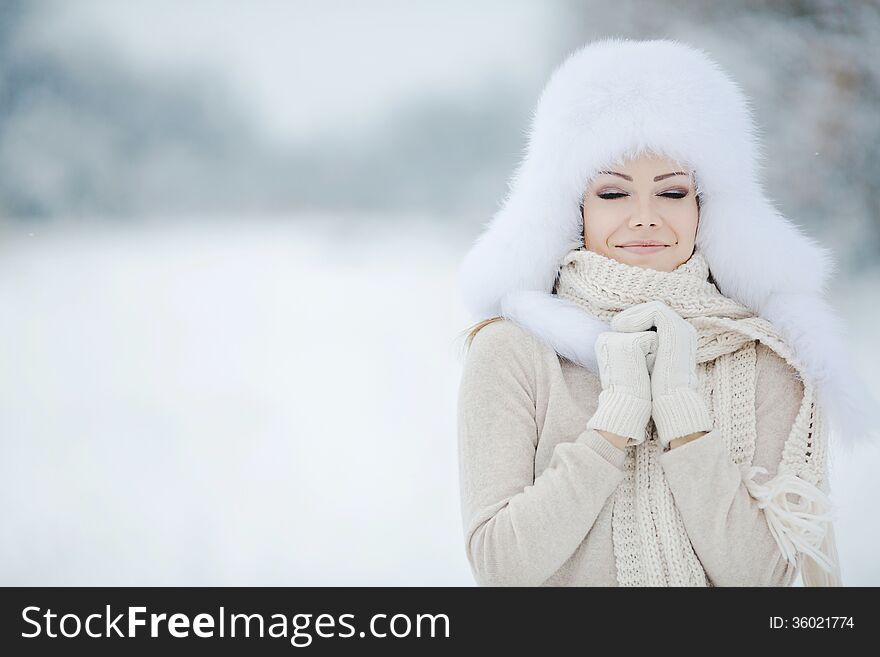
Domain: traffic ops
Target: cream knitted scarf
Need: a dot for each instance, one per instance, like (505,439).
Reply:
(651,545)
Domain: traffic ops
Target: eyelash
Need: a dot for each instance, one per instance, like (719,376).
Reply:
(614,195)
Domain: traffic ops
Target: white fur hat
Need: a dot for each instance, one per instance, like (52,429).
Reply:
(613,99)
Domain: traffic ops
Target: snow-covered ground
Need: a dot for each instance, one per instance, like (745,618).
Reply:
(258,402)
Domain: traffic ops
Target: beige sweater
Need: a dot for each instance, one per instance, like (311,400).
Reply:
(536,485)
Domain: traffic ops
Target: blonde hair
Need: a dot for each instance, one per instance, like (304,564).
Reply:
(472,331)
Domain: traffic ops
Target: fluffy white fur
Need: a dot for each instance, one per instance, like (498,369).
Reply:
(587,120)
(558,322)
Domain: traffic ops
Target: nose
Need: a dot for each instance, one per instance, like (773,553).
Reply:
(645,213)
(645,218)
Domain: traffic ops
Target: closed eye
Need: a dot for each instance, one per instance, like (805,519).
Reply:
(613,195)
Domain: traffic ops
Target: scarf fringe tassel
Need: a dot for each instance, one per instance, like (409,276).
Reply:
(797,526)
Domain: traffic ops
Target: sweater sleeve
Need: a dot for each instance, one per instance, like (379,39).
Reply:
(728,531)
(520,529)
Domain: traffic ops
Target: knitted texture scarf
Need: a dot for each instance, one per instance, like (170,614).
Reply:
(651,546)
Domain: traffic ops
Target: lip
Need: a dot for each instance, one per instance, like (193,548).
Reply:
(642,248)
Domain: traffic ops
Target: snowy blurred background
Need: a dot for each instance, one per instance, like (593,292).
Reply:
(229,231)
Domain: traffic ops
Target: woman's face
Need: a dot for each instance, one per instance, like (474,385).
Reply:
(645,199)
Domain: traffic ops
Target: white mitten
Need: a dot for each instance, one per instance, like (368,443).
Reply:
(625,401)
(678,406)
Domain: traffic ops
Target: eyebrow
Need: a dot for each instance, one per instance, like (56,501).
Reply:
(656,178)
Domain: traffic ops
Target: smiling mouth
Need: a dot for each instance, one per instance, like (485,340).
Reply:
(640,246)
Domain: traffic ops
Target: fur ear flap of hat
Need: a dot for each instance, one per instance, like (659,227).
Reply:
(614,99)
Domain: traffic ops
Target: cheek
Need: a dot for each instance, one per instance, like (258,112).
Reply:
(598,234)
(684,221)
(601,222)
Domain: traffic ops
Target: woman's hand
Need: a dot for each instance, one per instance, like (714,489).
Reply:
(625,401)
(678,407)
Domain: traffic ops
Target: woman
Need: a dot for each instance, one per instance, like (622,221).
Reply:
(641,415)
